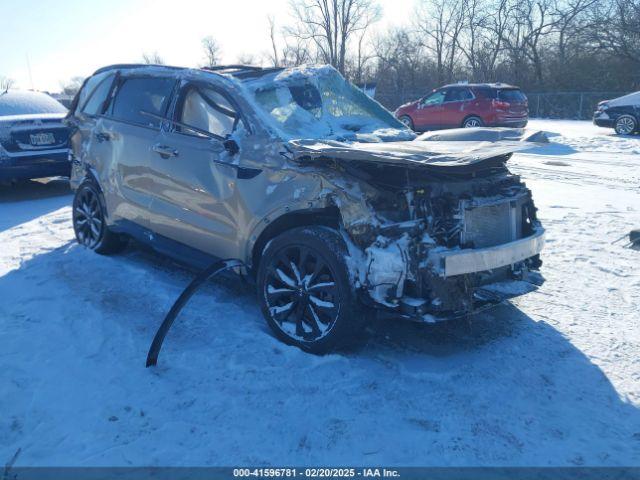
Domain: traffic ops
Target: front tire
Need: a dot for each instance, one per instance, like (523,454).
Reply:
(305,290)
(626,125)
(407,121)
(89,221)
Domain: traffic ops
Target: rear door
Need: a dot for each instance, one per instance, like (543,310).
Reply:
(194,174)
(128,130)
(456,106)
(429,111)
(86,143)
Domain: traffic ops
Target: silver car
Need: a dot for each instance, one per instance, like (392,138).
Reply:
(335,208)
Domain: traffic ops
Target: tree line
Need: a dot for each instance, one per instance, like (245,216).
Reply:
(539,45)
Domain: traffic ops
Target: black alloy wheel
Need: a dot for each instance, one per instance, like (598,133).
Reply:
(306,292)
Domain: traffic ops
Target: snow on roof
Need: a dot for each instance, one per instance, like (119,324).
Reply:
(23,102)
(489,85)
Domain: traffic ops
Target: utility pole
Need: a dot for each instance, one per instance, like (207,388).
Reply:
(29,68)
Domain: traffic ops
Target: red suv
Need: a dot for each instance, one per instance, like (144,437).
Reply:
(467,105)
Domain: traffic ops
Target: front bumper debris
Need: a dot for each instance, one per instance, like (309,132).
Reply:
(449,263)
(482,298)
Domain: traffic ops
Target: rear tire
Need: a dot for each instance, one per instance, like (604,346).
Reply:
(305,290)
(626,125)
(89,221)
(407,121)
(472,122)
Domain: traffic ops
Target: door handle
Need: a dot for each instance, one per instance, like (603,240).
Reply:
(164,151)
(102,136)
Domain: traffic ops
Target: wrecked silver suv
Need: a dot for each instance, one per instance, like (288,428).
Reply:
(332,205)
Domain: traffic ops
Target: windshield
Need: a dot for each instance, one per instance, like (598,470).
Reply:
(18,102)
(312,103)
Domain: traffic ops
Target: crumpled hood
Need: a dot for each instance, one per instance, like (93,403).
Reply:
(445,151)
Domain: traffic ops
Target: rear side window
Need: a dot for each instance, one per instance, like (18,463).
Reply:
(511,96)
(458,95)
(88,87)
(207,110)
(94,102)
(136,95)
(489,93)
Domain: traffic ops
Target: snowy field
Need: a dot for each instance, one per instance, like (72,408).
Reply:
(553,379)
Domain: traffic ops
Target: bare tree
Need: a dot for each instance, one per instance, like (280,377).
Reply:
(6,83)
(212,51)
(497,22)
(404,69)
(330,25)
(72,86)
(275,58)
(152,58)
(618,28)
(440,23)
(363,56)
(295,53)
(247,59)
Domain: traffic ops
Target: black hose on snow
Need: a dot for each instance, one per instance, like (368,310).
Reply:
(203,276)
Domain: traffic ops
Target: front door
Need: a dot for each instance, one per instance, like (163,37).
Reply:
(456,106)
(194,174)
(429,111)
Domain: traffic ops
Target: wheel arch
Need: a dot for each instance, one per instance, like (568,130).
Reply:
(327,216)
(409,116)
(92,175)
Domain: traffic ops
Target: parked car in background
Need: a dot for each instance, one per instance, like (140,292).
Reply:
(34,143)
(621,114)
(467,105)
(330,202)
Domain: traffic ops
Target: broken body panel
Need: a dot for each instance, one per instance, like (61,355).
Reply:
(435,229)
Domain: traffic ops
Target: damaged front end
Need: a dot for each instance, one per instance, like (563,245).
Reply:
(443,234)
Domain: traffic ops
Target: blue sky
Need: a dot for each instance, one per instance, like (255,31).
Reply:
(65,38)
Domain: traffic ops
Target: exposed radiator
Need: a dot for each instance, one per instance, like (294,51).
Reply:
(495,223)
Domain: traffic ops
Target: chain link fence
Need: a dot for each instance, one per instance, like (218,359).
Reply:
(561,105)
(568,105)
(392,100)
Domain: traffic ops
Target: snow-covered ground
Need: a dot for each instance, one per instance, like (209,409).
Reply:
(552,380)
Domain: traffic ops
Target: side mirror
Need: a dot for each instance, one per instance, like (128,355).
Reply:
(231,146)
(216,146)
(228,145)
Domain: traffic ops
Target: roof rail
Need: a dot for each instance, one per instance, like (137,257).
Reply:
(133,65)
(242,72)
(216,68)
(238,71)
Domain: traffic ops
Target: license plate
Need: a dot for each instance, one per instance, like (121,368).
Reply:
(39,139)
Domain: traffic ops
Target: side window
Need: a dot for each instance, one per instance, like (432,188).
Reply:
(208,111)
(489,93)
(458,95)
(94,101)
(436,98)
(137,97)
